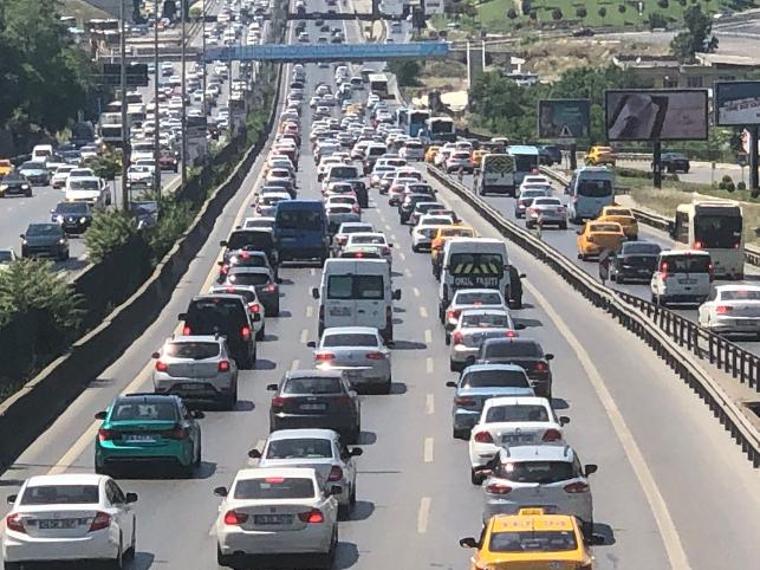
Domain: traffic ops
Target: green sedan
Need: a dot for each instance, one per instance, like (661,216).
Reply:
(148,429)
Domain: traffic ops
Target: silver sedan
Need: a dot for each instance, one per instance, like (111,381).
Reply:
(473,328)
(357,351)
(549,211)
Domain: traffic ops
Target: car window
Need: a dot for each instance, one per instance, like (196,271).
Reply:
(372,240)
(533,541)
(517,413)
(740,295)
(245,278)
(43,230)
(538,471)
(316,385)
(114,494)
(299,219)
(486,321)
(301,448)
(604,228)
(641,248)
(687,263)
(144,411)
(275,488)
(349,339)
(511,348)
(60,495)
(261,240)
(495,379)
(479,298)
(367,287)
(216,311)
(194,350)
(595,188)
(476,264)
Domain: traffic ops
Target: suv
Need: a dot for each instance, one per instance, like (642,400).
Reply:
(550,476)
(600,155)
(225,315)
(682,276)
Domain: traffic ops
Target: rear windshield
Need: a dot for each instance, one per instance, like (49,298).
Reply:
(484,298)
(302,448)
(486,321)
(595,188)
(747,295)
(511,348)
(246,294)
(495,379)
(533,541)
(613,228)
(299,219)
(145,411)
(249,278)
(618,212)
(355,287)
(355,339)
(252,239)
(344,172)
(275,488)
(215,311)
(539,471)
(641,248)
(84,184)
(476,264)
(371,240)
(313,386)
(718,231)
(244,259)
(195,350)
(687,263)
(517,413)
(546,202)
(60,495)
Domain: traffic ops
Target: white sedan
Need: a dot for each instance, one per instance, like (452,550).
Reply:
(273,511)
(69,517)
(512,420)
(732,309)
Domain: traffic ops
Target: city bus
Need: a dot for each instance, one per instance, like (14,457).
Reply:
(441,129)
(378,84)
(715,227)
(413,121)
(109,128)
(526,161)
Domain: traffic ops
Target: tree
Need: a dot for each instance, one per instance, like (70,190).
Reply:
(602,12)
(407,72)
(697,37)
(109,231)
(622,8)
(556,14)
(664,4)
(511,13)
(581,12)
(657,20)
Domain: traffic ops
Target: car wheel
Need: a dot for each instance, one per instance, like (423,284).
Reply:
(448,339)
(588,531)
(353,435)
(223,559)
(415,249)
(229,402)
(618,279)
(459,433)
(118,562)
(12,565)
(563,226)
(276,308)
(386,387)
(262,333)
(29,194)
(199,454)
(132,550)
(476,478)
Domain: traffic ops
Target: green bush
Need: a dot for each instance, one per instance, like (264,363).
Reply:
(602,12)
(664,4)
(622,8)
(109,231)
(727,183)
(657,20)
(511,13)
(556,14)
(741,186)
(173,220)
(581,12)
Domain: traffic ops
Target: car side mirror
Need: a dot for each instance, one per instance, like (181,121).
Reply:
(220,263)
(100,415)
(390,245)
(272,387)
(311,344)
(397,295)
(155,355)
(356,452)
(315,293)
(254,454)
(564,420)
(10,499)
(334,491)
(451,384)
(519,326)
(468,542)
(590,468)
(549,356)
(223,243)
(522,276)
(220,491)
(182,316)
(579,232)
(131,498)
(197,414)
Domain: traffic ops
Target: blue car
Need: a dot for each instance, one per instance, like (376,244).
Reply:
(301,230)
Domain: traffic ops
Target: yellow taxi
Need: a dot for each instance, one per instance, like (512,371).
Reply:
(477,156)
(431,152)
(624,217)
(600,155)
(596,236)
(6,167)
(439,241)
(530,540)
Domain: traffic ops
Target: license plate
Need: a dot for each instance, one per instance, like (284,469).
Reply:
(340,311)
(140,438)
(191,386)
(687,281)
(514,438)
(313,407)
(273,519)
(47,524)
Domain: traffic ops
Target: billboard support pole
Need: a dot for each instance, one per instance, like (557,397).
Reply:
(573,155)
(753,158)
(657,163)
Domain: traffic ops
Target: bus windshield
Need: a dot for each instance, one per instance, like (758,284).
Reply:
(525,162)
(716,231)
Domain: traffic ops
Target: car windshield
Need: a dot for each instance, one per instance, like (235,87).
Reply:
(595,188)
(517,413)
(740,295)
(299,219)
(476,264)
(533,541)
(355,287)
(349,339)
(6,256)
(315,385)
(84,184)
(495,379)
(715,231)
(139,410)
(479,298)
(512,348)
(301,448)
(60,495)
(538,471)
(246,278)
(43,230)
(194,350)
(72,208)
(486,321)
(687,263)
(275,488)
(635,248)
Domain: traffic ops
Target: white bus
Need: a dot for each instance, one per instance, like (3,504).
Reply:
(715,227)
(109,128)
(441,129)
(378,84)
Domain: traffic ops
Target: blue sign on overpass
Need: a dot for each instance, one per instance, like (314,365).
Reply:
(287,53)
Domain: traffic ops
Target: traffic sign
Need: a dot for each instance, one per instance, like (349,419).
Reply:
(137,74)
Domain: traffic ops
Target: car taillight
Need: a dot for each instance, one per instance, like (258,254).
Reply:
(245,332)
(324,356)
(176,433)
(271,288)
(102,520)
(464,401)
(723,309)
(498,489)
(664,269)
(355,208)
(457,338)
(161,366)
(552,435)
(234,518)
(14,522)
(541,367)
(336,474)
(452,314)
(577,487)
(697,245)
(106,434)
(224,366)
(374,356)
(483,437)
(254,308)
(510,334)
(278,402)
(314,516)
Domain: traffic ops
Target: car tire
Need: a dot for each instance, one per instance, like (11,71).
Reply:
(459,433)
(132,550)
(224,560)
(448,339)
(354,435)
(588,531)
(387,387)
(29,194)
(262,332)
(619,280)
(415,249)
(563,226)
(476,478)
(229,402)
(118,562)
(327,561)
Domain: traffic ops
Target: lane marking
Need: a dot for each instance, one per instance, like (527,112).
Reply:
(416,291)
(402,256)
(428,336)
(295,364)
(309,311)
(304,336)
(668,532)
(423,515)
(423,312)
(312,271)
(408,272)
(394,239)
(430,404)
(427,454)
(429,365)
(388,227)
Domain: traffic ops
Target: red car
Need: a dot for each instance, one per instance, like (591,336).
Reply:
(167,161)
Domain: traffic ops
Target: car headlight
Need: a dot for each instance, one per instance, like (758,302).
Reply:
(3,187)
(82,220)
(23,241)
(61,241)
(59,218)
(25,186)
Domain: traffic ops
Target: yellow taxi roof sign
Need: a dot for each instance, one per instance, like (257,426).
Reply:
(531,511)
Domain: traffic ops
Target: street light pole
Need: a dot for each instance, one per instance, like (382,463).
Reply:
(156,74)
(124,124)
(183,5)
(203,59)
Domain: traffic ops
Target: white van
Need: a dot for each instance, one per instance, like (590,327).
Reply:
(356,293)
(41,151)
(472,263)
(682,276)
(88,189)
(340,173)
(591,188)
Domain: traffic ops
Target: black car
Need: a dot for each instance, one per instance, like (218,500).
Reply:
(675,162)
(316,399)
(636,261)
(15,183)
(523,352)
(45,240)
(226,315)
(360,189)
(549,154)
(583,32)
(257,239)
(74,217)
(406,207)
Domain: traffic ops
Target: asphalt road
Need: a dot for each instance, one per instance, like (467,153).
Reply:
(672,490)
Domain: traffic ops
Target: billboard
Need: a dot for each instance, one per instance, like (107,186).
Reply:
(564,118)
(737,103)
(656,114)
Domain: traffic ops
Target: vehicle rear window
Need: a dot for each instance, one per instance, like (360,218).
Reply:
(495,379)
(595,188)
(246,294)
(618,212)
(144,410)
(275,488)
(533,541)
(546,202)
(486,321)
(315,385)
(688,263)
(371,240)
(517,413)
(243,278)
(252,239)
(512,348)
(746,295)
(60,495)
(84,184)
(349,339)
(476,264)
(613,228)
(484,298)
(215,309)
(299,219)
(245,259)
(195,350)
(343,172)
(641,248)
(368,287)
(538,471)
(301,448)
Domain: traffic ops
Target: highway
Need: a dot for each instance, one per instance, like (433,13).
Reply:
(672,490)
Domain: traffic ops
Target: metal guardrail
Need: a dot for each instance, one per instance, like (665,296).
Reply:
(667,333)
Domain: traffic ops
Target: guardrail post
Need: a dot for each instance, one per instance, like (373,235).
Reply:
(742,361)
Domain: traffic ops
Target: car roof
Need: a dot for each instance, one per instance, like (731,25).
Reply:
(515,401)
(493,366)
(303,432)
(538,453)
(349,330)
(66,479)
(263,472)
(536,523)
(195,338)
(309,373)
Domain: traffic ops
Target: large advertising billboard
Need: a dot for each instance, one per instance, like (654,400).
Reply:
(656,114)
(564,118)
(737,103)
